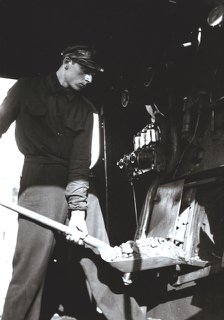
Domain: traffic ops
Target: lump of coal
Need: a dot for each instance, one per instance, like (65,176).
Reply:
(145,248)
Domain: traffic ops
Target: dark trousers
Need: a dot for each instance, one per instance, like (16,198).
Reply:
(42,190)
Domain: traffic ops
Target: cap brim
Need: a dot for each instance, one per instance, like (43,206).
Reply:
(90,64)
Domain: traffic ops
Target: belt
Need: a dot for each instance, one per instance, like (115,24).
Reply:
(45,160)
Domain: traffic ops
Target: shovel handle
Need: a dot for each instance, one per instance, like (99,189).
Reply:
(92,241)
(35,216)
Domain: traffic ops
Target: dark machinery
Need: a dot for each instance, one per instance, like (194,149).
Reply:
(185,200)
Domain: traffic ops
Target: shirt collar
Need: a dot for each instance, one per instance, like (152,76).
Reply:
(56,87)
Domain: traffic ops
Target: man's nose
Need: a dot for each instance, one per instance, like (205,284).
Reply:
(88,78)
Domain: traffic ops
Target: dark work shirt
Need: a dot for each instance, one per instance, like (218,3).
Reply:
(52,122)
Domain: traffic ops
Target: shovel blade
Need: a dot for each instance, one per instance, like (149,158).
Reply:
(133,265)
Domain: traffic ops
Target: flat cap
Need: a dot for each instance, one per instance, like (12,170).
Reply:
(84,55)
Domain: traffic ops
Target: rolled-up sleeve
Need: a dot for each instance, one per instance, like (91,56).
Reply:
(76,194)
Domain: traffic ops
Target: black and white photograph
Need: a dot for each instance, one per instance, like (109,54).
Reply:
(112,160)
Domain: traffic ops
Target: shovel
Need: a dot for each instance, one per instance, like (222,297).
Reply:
(104,249)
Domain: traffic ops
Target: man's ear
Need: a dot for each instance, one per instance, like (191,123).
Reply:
(67,61)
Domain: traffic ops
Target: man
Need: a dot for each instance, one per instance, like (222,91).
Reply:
(54,124)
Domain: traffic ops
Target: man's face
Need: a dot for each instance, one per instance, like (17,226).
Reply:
(77,77)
